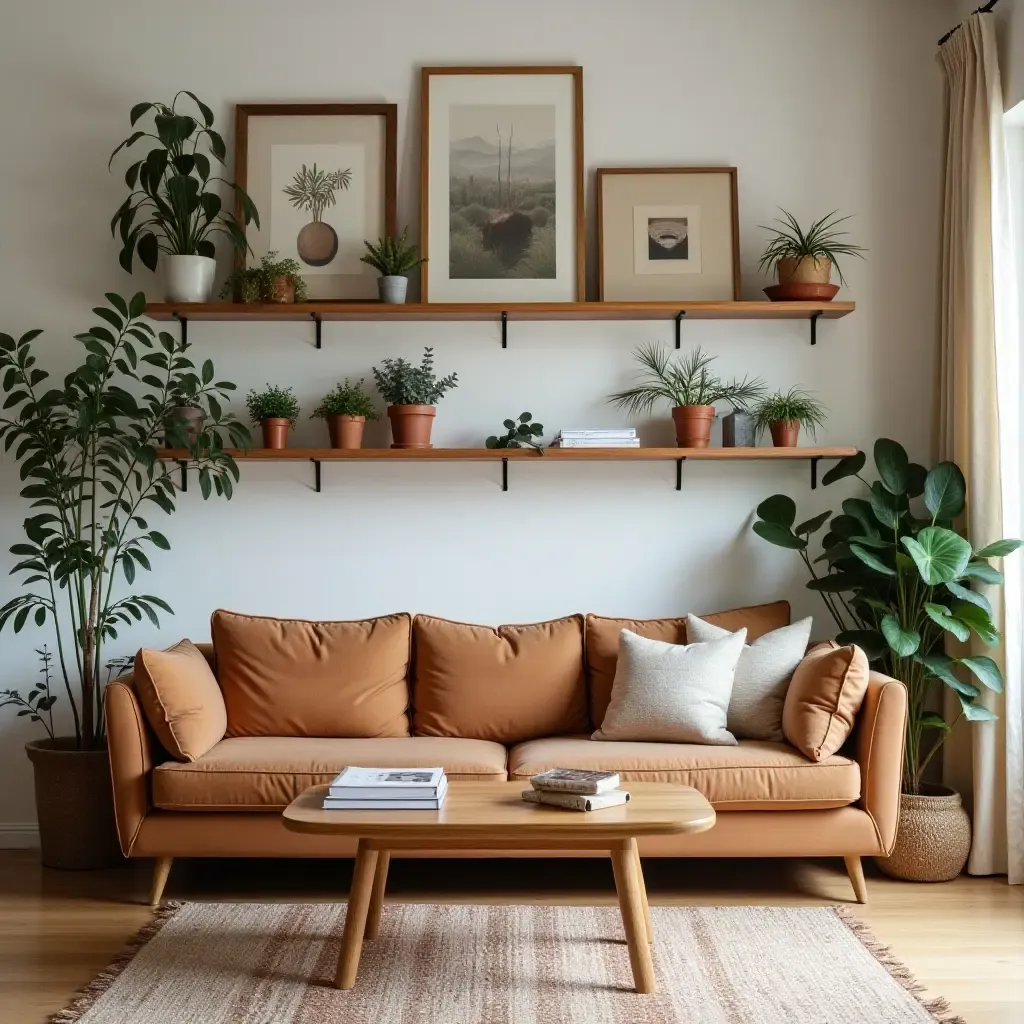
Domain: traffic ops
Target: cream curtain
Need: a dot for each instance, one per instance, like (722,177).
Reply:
(979,419)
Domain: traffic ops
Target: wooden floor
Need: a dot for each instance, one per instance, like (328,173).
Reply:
(963,939)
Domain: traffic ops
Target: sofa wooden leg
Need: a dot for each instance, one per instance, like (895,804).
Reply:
(855,870)
(161,871)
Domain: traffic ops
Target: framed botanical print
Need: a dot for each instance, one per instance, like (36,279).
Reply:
(502,184)
(323,177)
(666,233)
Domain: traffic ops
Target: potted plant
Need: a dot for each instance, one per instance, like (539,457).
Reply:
(393,257)
(275,409)
(184,422)
(274,280)
(900,581)
(412,393)
(313,190)
(173,206)
(346,410)
(688,384)
(86,539)
(783,413)
(521,434)
(803,260)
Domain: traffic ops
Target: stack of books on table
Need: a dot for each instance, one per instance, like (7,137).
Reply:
(576,789)
(387,789)
(613,437)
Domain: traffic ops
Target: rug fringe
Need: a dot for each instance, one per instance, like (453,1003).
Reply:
(86,998)
(938,1007)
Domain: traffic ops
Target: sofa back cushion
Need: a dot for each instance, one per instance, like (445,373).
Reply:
(603,641)
(292,677)
(508,684)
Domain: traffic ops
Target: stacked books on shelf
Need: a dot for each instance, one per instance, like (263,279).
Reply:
(613,437)
(576,789)
(387,789)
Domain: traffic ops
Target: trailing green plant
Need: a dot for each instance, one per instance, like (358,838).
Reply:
(899,580)
(313,189)
(684,380)
(172,206)
(256,284)
(821,241)
(393,256)
(792,406)
(346,399)
(89,455)
(401,383)
(520,434)
(273,403)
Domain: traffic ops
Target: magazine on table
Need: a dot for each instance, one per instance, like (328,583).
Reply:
(388,783)
(576,801)
(576,780)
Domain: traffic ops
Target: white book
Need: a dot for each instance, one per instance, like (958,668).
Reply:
(609,432)
(345,804)
(575,780)
(389,793)
(389,783)
(581,442)
(577,801)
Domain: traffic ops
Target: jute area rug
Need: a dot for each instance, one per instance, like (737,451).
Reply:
(230,963)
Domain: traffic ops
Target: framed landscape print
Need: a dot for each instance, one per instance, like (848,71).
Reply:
(667,233)
(502,184)
(323,177)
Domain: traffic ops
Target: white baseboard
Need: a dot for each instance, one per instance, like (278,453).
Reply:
(19,835)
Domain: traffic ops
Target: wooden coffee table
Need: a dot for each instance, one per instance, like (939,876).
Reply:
(493,816)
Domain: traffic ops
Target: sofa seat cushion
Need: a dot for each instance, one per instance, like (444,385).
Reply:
(265,773)
(754,775)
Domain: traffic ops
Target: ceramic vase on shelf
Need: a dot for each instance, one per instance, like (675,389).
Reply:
(392,289)
(693,425)
(411,425)
(188,278)
(933,839)
(785,433)
(738,430)
(275,432)
(346,431)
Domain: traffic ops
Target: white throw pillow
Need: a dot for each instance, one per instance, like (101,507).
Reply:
(762,676)
(672,693)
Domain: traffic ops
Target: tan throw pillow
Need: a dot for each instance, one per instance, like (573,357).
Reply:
(509,684)
(293,677)
(825,694)
(182,701)
(672,693)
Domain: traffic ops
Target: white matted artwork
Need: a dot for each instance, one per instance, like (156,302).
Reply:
(323,178)
(666,239)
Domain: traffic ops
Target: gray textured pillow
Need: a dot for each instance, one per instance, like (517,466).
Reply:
(672,693)
(762,676)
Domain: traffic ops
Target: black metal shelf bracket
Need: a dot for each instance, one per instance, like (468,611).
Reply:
(814,327)
(504,474)
(316,474)
(814,472)
(183,320)
(183,466)
(679,473)
(504,328)
(318,320)
(679,327)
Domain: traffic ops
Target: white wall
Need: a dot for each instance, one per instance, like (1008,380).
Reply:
(821,104)
(1010,27)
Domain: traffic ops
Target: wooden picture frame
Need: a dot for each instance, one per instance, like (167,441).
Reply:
(658,193)
(369,130)
(569,282)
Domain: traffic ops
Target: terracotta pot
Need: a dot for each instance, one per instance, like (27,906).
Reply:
(75,805)
(193,423)
(693,425)
(346,431)
(804,271)
(785,433)
(933,839)
(410,425)
(275,432)
(282,289)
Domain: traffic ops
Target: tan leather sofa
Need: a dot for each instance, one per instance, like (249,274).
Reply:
(771,800)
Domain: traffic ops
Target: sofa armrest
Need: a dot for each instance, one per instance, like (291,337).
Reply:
(132,749)
(881,729)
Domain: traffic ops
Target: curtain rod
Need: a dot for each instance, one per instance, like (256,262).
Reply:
(984,9)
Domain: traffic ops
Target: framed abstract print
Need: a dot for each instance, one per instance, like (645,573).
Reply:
(502,184)
(667,233)
(323,177)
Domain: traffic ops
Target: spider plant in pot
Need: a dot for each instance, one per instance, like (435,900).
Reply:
(172,207)
(783,413)
(346,410)
(275,409)
(412,393)
(688,384)
(803,259)
(394,258)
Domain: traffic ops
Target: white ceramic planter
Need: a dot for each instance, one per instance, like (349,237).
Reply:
(188,278)
(392,289)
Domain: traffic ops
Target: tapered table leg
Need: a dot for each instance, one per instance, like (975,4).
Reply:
(629,885)
(643,893)
(380,881)
(355,918)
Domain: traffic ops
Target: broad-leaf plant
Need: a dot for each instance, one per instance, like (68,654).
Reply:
(88,449)
(900,580)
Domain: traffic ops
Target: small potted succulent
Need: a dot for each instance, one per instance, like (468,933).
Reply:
(275,409)
(689,385)
(803,260)
(274,280)
(346,410)
(394,258)
(521,434)
(784,413)
(412,393)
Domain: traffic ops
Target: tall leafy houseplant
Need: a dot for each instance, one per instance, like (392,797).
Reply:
(899,579)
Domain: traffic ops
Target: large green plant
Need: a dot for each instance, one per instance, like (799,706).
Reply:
(898,579)
(170,207)
(89,455)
